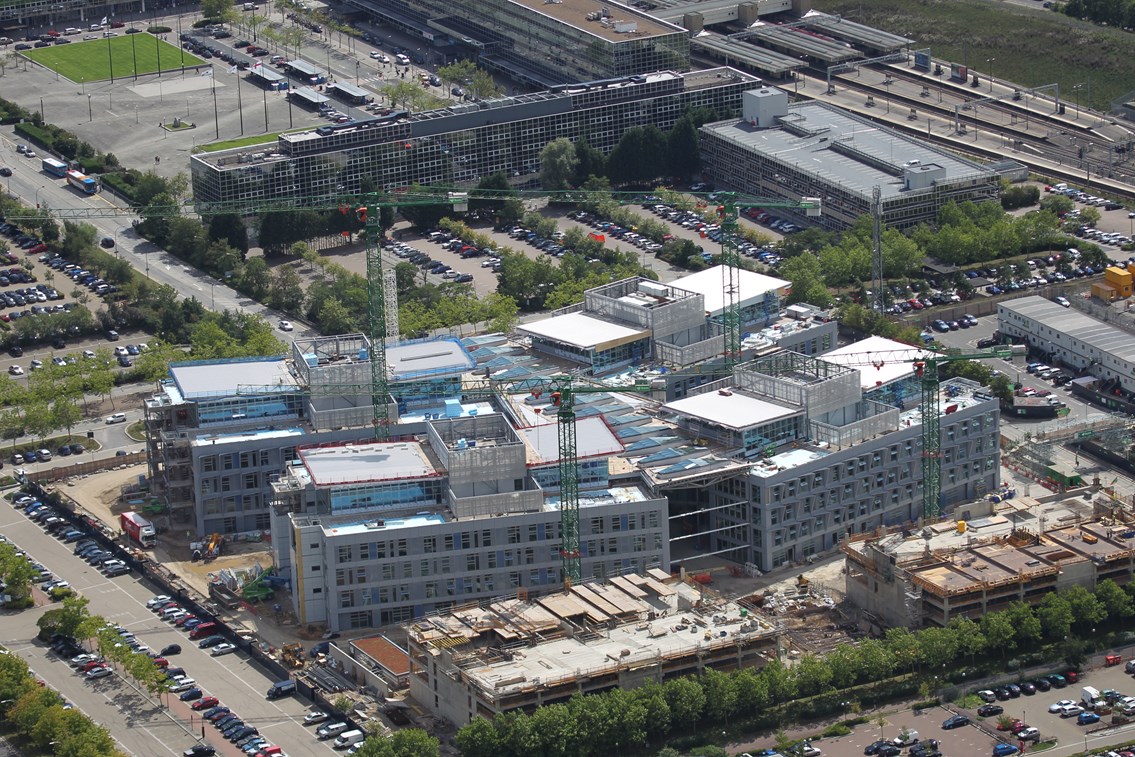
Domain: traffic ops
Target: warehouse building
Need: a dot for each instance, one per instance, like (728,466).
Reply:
(813,149)
(992,559)
(1071,338)
(546,43)
(523,652)
(459,144)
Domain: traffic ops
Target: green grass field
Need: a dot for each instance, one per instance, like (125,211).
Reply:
(91,61)
(1031,46)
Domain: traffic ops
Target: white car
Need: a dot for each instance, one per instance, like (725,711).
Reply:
(116,418)
(223,649)
(95,673)
(315,716)
(182,684)
(1071,711)
(15,370)
(82,659)
(285,326)
(1059,706)
(158,601)
(176,615)
(1063,302)
(89,354)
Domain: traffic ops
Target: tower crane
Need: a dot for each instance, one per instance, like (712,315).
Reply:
(926,368)
(562,389)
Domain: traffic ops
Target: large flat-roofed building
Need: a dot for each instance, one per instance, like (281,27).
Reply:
(1071,338)
(824,460)
(522,652)
(459,144)
(378,533)
(638,320)
(549,42)
(218,430)
(814,149)
(998,556)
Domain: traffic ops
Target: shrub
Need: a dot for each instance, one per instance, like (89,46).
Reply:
(835,730)
(159,30)
(207,22)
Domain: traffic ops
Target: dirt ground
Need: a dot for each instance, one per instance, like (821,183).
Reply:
(100,496)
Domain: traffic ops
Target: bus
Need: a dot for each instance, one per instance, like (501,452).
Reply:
(55,167)
(82,182)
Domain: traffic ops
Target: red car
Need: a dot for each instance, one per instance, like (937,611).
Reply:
(161,662)
(181,621)
(41,247)
(92,665)
(1014,726)
(204,704)
(116,24)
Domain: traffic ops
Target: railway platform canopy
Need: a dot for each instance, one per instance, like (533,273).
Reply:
(798,42)
(866,38)
(736,51)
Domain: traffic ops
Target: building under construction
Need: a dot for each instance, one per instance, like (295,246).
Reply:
(972,567)
(520,653)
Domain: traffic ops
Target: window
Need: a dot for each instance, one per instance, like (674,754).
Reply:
(346,553)
(209,464)
(429,544)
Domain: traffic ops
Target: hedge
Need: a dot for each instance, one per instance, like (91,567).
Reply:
(11,113)
(159,30)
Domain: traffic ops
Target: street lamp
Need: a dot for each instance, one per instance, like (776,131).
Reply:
(37,195)
(990,61)
(1076,91)
(90,113)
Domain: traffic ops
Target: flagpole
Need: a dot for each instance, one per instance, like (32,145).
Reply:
(216,115)
(239,103)
(265,91)
(110,60)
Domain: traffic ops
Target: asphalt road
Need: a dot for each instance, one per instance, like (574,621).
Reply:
(141,726)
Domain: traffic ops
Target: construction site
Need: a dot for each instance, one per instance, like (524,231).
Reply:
(1014,548)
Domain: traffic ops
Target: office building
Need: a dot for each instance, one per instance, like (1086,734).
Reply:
(545,43)
(981,563)
(629,631)
(218,430)
(639,321)
(379,533)
(459,144)
(824,461)
(814,149)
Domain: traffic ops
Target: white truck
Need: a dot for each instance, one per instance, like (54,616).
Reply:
(349,738)
(1091,697)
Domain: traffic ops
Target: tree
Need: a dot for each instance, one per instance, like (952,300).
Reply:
(1085,607)
(1115,600)
(230,229)
(807,279)
(904,647)
(682,148)
(65,620)
(557,164)
(720,695)
(999,632)
(589,161)
(255,279)
(686,700)
(1055,615)
(478,738)
(939,646)
(1025,624)
(334,318)
(812,676)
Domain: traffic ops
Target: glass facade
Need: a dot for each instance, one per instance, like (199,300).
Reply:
(554,42)
(381,497)
(458,145)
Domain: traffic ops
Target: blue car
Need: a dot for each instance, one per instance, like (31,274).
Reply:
(190,694)
(1087,718)
(1004,750)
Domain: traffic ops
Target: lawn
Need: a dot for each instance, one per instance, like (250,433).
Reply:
(1031,46)
(91,60)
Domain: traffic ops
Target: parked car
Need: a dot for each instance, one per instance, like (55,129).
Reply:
(955,721)
(990,710)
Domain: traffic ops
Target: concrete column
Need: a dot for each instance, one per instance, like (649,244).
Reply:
(747,13)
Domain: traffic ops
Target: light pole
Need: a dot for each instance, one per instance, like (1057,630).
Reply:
(990,61)
(1076,92)
(213,296)
(90,112)
(37,195)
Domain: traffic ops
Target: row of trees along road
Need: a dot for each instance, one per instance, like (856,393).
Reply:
(902,663)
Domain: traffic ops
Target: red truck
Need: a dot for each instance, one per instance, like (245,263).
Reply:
(138,528)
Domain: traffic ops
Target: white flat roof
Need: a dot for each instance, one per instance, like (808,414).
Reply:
(261,434)
(209,378)
(884,368)
(593,438)
(710,284)
(583,331)
(733,410)
(340,464)
(435,356)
